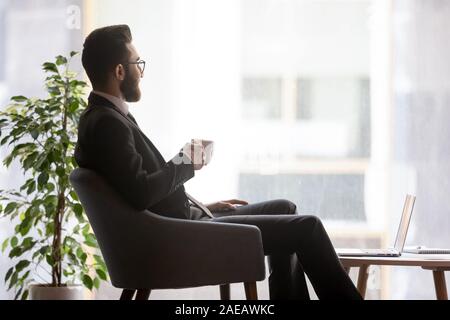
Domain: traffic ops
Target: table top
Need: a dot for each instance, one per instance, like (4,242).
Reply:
(406,259)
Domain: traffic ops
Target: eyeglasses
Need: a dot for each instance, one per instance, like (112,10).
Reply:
(140,64)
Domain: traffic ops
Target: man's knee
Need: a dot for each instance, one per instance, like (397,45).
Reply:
(312,221)
(286,206)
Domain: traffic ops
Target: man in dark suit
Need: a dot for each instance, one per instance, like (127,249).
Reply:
(111,143)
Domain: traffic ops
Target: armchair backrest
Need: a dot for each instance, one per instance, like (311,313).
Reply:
(117,226)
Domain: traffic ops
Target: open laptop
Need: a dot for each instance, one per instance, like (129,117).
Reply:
(399,240)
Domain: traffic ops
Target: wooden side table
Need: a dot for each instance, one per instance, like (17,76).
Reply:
(436,263)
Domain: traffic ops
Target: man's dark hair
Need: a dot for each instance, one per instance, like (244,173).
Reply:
(103,50)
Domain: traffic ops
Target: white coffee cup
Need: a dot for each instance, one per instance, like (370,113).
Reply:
(208,147)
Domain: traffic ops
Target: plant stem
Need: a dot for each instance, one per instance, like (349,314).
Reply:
(56,245)
(58,219)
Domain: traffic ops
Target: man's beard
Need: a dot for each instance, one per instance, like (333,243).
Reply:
(130,89)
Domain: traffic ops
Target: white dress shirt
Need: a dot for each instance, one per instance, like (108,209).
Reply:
(119,103)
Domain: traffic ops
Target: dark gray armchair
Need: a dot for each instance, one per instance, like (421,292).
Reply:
(145,251)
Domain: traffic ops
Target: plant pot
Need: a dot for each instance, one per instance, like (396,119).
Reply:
(46,292)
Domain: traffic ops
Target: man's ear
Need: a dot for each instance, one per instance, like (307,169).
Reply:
(119,72)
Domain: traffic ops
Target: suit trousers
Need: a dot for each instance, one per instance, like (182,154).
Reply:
(295,244)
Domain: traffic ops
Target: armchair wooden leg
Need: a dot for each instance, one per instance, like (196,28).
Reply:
(127,294)
(250,290)
(225,291)
(142,294)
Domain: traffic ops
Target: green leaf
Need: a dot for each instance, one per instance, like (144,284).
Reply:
(73,106)
(35,211)
(27,146)
(22,265)
(28,243)
(19,98)
(60,171)
(34,134)
(44,250)
(54,91)
(10,207)
(25,226)
(79,252)
(49,259)
(15,252)
(18,293)
(5,244)
(78,209)
(51,199)
(74,195)
(60,60)
(40,160)
(35,255)
(81,255)
(86,229)
(13,280)
(101,274)
(50,67)
(42,179)
(24,295)
(87,281)
(96,282)
(50,186)
(73,53)
(8,160)
(9,273)
(49,228)
(70,241)
(29,160)
(90,240)
(31,187)
(26,184)
(73,258)
(98,259)
(51,157)
(25,276)
(76,229)
(14,241)
(5,140)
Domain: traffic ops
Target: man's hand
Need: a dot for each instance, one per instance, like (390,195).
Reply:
(226,205)
(196,153)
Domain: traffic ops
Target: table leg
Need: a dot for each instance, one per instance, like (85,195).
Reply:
(362,279)
(439,285)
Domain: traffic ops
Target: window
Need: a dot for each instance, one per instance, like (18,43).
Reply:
(261,98)
(307,68)
(329,196)
(340,100)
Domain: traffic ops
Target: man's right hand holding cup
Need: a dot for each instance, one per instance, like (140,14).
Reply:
(196,154)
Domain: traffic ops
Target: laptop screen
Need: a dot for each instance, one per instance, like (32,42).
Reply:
(404,223)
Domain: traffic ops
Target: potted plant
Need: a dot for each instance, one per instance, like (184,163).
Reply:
(53,246)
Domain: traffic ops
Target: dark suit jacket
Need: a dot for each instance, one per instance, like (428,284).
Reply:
(112,144)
